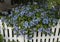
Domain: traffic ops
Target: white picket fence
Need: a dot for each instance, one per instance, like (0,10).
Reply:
(38,37)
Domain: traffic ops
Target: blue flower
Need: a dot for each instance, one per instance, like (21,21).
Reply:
(55,21)
(36,21)
(16,28)
(28,8)
(25,24)
(30,14)
(37,10)
(14,32)
(16,9)
(22,32)
(48,30)
(45,21)
(15,17)
(34,12)
(3,19)
(43,14)
(31,23)
(22,13)
(53,9)
(40,30)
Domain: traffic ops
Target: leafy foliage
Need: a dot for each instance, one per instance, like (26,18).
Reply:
(27,19)
(1,38)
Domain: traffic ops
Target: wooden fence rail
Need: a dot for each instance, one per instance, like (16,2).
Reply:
(8,35)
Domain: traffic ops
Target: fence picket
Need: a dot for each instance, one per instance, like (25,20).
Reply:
(37,37)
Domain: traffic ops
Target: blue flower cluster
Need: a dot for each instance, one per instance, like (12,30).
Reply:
(45,21)
(48,30)
(31,18)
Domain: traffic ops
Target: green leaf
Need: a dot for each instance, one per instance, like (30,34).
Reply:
(1,38)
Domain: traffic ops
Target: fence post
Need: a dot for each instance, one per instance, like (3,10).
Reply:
(21,38)
(1,31)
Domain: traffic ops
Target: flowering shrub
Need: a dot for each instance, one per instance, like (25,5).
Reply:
(27,19)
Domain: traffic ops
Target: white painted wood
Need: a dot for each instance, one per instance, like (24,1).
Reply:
(26,40)
(1,28)
(47,39)
(22,38)
(39,35)
(34,37)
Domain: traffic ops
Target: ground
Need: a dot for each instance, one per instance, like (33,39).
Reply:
(4,6)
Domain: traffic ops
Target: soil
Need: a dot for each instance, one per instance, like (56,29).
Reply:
(5,7)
